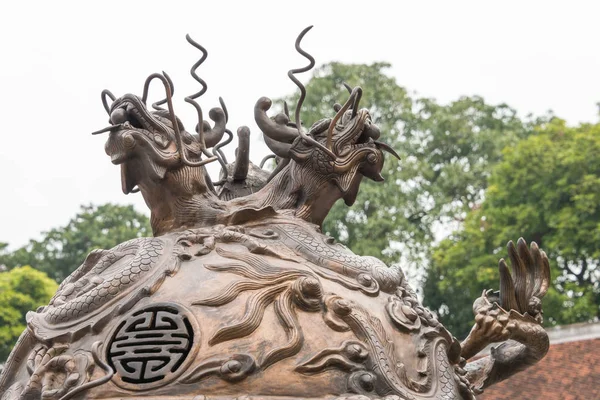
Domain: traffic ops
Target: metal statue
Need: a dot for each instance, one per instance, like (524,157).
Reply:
(240,295)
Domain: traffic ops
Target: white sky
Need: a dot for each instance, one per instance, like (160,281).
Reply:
(58,56)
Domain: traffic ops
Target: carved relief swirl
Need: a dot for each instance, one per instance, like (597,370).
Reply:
(56,373)
(287,290)
(371,361)
(389,372)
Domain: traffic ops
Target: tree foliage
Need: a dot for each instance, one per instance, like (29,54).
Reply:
(547,189)
(446,151)
(61,250)
(21,289)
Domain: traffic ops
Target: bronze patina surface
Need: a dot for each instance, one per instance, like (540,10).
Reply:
(240,296)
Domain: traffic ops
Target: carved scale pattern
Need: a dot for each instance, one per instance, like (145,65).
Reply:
(309,242)
(76,298)
(368,271)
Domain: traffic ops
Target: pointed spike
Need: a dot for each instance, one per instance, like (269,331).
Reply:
(224,108)
(527,259)
(348,87)
(286,110)
(520,277)
(388,148)
(242,155)
(546,277)
(107,129)
(507,289)
(537,269)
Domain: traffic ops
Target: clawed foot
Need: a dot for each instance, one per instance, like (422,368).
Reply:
(500,315)
(492,322)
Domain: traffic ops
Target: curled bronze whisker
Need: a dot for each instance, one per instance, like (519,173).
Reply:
(291,73)
(195,67)
(339,115)
(224,108)
(210,137)
(178,137)
(222,155)
(218,153)
(200,118)
(191,98)
(149,79)
(267,158)
(356,101)
(207,153)
(217,148)
(211,142)
(103,95)
(157,105)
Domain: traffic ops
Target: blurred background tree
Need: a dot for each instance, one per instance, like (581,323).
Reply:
(547,189)
(21,289)
(61,250)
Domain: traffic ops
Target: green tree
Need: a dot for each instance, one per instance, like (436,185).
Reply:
(547,190)
(446,150)
(21,289)
(63,249)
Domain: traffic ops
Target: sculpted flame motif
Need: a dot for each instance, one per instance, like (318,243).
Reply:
(239,293)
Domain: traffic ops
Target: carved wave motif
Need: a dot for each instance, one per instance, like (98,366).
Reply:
(287,290)
(371,362)
(389,371)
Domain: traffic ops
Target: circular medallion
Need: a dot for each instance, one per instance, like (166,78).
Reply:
(150,347)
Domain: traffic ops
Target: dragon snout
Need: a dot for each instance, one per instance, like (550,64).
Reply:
(119,147)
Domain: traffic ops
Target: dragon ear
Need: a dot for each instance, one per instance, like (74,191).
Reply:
(127,180)
(348,184)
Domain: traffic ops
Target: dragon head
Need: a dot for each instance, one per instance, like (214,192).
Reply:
(157,155)
(147,144)
(330,160)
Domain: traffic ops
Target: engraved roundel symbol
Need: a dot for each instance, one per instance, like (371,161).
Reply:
(149,348)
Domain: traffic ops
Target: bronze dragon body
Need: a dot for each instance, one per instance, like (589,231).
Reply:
(239,294)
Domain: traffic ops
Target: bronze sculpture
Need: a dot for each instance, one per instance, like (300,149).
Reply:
(240,295)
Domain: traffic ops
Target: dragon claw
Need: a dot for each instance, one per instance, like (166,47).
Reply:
(501,315)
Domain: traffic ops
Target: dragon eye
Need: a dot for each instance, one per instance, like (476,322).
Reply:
(128,141)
